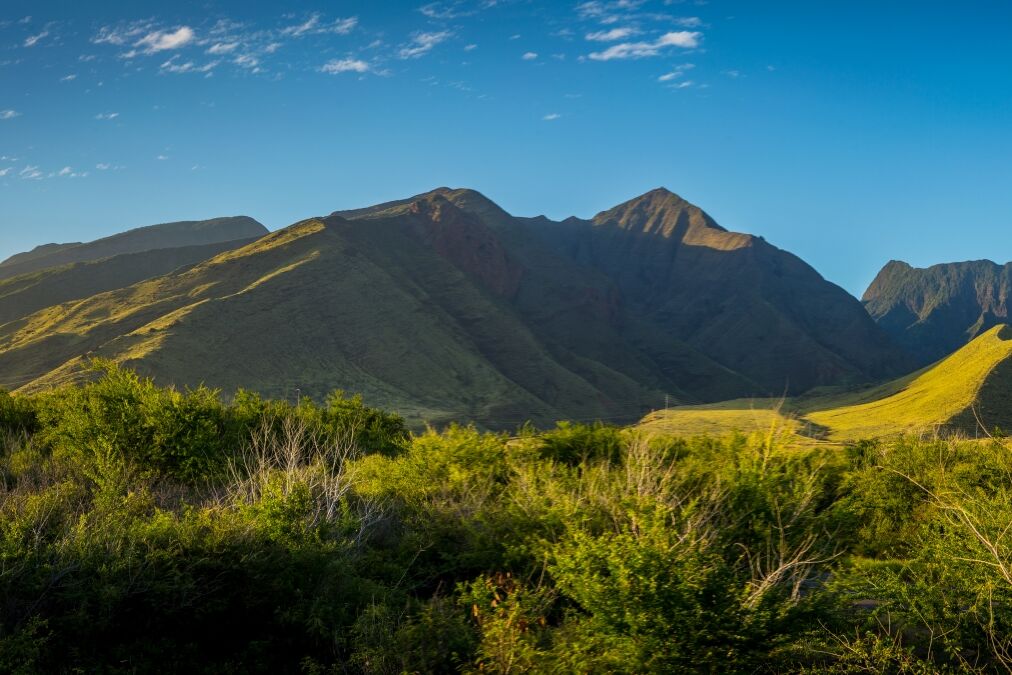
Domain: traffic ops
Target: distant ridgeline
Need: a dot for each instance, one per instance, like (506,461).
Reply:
(445,307)
(933,312)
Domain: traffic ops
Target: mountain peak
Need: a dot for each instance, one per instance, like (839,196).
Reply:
(463,198)
(663,213)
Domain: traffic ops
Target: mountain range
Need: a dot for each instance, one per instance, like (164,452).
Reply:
(443,306)
(934,311)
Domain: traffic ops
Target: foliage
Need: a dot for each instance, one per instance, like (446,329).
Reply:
(147,529)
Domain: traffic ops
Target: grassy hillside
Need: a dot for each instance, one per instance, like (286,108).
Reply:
(947,397)
(28,293)
(325,304)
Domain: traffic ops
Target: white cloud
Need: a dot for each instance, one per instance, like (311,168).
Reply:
(8,114)
(122,33)
(101,166)
(470,48)
(159,41)
(681,38)
(345,66)
(172,66)
(551,117)
(65,171)
(679,71)
(612,35)
(32,40)
(312,26)
(423,43)
(442,11)
(161,158)
(638,50)
(222,47)
(689,22)
(107,116)
(4,172)
(530,56)
(68,78)
(247,61)
(30,173)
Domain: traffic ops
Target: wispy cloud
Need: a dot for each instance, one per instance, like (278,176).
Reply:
(69,78)
(551,117)
(423,43)
(177,67)
(345,66)
(247,61)
(677,72)
(107,116)
(33,40)
(222,47)
(689,22)
(639,50)
(31,173)
(444,11)
(161,158)
(606,12)
(103,167)
(612,35)
(121,33)
(9,114)
(530,56)
(159,41)
(4,172)
(314,26)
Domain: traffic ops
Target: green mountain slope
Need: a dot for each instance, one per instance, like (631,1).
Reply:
(164,236)
(968,392)
(23,295)
(325,303)
(443,306)
(935,311)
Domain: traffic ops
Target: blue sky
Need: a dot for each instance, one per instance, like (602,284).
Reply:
(849,132)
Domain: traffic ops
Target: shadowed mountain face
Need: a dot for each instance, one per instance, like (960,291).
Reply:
(751,307)
(165,236)
(933,312)
(444,306)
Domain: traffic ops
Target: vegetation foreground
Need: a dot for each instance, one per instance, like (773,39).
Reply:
(142,529)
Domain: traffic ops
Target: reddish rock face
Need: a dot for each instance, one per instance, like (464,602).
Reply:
(468,243)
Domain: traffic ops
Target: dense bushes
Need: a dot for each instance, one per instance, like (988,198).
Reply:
(143,529)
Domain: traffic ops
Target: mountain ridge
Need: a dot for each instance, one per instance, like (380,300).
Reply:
(444,306)
(935,310)
(152,237)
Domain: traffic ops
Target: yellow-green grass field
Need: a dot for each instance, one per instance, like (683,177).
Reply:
(969,393)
